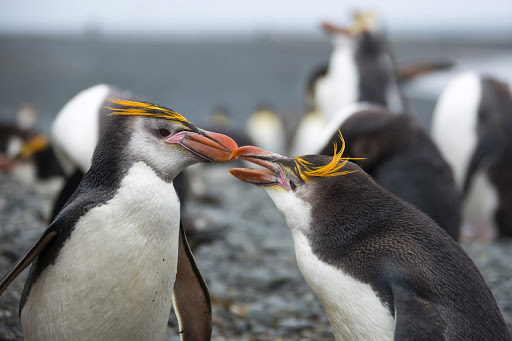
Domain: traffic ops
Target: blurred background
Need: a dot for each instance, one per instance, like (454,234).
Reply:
(200,58)
(194,56)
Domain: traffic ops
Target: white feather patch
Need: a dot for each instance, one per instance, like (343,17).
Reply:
(114,277)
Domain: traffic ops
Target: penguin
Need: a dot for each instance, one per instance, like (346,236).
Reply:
(361,67)
(266,128)
(382,269)
(471,125)
(107,266)
(401,157)
(74,147)
(27,156)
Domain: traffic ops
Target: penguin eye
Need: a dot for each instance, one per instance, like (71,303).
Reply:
(164,132)
(292,185)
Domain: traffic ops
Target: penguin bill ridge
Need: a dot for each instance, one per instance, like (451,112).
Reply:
(115,259)
(382,269)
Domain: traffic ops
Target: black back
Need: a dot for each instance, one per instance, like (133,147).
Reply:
(424,278)
(402,158)
(375,67)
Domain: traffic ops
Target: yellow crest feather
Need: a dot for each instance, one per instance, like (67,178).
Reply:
(34,145)
(134,108)
(306,170)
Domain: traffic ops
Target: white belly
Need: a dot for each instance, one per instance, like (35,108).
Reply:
(114,277)
(353,309)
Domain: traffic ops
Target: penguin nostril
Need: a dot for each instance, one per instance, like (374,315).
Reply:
(164,132)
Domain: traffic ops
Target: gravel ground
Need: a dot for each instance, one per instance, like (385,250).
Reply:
(256,288)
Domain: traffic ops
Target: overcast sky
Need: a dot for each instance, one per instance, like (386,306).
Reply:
(235,16)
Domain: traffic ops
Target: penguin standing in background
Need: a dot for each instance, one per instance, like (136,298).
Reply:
(471,125)
(381,268)
(265,127)
(74,147)
(361,68)
(28,157)
(105,268)
(403,159)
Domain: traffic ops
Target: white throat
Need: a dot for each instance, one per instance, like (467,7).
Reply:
(341,85)
(114,277)
(352,307)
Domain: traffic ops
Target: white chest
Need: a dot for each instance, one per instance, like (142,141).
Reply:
(114,277)
(353,309)
(342,81)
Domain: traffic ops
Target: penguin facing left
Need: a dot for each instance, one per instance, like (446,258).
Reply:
(381,268)
(105,269)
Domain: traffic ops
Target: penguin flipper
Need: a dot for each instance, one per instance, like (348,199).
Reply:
(191,298)
(483,153)
(405,73)
(415,317)
(28,258)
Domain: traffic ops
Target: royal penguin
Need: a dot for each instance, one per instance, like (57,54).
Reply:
(115,259)
(471,125)
(401,157)
(75,131)
(27,156)
(382,269)
(266,128)
(361,67)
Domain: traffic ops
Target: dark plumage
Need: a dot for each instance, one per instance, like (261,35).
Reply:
(401,157)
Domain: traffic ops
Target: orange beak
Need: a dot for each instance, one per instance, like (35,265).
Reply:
(271,175)
(209,145)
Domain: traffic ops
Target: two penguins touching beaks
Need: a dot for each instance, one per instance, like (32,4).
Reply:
(115,259)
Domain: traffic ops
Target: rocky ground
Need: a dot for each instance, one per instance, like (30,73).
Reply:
(256,288)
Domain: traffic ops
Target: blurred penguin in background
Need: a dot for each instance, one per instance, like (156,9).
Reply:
(472,125)
(361,67)
(26,154)
(266,129)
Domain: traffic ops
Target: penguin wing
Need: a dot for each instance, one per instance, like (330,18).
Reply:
(415,317)
(191,297)
(483,153)
(405,73)
(28,258)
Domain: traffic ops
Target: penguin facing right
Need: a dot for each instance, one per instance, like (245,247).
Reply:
(115,259)
(401,157)
(382,269)
(471,125)
(74,147)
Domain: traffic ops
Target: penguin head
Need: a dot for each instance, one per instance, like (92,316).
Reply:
(364,23)
(164,139)
(295,184)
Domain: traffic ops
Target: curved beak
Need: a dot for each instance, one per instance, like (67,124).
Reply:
(330,28)
(209,145)
(272,174)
